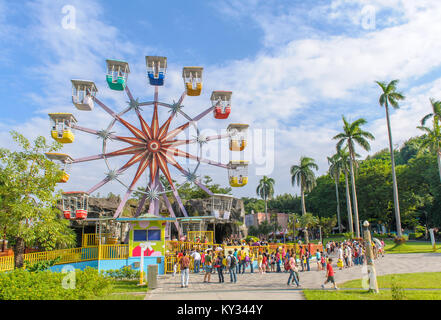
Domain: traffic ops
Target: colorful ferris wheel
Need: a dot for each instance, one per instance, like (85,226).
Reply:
(152,147)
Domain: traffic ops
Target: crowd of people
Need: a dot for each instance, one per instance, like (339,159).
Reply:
(347,253)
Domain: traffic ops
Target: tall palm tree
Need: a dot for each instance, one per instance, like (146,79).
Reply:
(432,138)
(265,190)
(304,176)
(390,96)
(353,134)
(335,169)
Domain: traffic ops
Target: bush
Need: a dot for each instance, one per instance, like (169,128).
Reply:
(401,240)
(21,284)
(415,235)
(251,239)
(41,265)
(383,236)
(124,273)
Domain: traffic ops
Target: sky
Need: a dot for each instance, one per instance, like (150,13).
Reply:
(294,67)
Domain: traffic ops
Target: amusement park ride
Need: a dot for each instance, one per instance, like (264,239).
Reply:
(152,147)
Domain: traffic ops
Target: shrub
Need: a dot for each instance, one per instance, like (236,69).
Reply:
(21,284)
(125,272)
(401,240)
(41,265)
(397,291)
(415,235)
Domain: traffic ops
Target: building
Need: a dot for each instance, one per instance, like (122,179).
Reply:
(257,218)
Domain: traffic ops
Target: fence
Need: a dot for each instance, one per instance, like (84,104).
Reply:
(106,252)
(202,235)
(92,239)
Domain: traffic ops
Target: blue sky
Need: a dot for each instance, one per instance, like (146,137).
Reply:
(294,68)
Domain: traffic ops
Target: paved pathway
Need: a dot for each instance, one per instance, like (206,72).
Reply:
(272,286)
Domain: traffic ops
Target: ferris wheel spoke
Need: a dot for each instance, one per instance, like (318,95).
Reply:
(180,153)
(129,150)
(155,123)
(153,168)
(90,158)
(129,93)
(141,168)
(169,206)
(136,158)
(197,182)
(131,140)
(179,201)
(164,168)
(203,114)
(122,204)
(136,132)
(176,131)
(144,126)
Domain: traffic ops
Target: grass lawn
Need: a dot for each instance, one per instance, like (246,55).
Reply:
(410,247)
(423,280)
(364,295)
(126,290)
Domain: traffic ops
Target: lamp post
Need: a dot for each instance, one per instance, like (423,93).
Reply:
(373,285)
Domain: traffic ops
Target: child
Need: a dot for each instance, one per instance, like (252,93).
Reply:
(330,275)
(339,263)
(175,267)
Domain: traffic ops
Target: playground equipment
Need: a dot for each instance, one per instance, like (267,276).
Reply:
(65,160)
(117,72)
(153,147)
(238,173)
(61,127)
(193,80)
(156,67)
(75,205)
(83,93)
(221,101)
(238,136)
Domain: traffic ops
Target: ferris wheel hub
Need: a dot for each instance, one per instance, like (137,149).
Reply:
(153,146)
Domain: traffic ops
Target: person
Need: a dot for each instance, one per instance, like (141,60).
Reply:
(208,267)
(307,256)
(197,260)
(318,257)
(278,259)
(302,258)
(260,262)
(339,263)
(185,272)
(237,260)
(232,264)
(273,262)
(242,261)
(175,267)
(293,272)
(323,261)
(220,267)
(330,275)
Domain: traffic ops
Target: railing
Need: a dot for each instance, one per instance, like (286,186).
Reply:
(113,252)
(107,252)
(92,239)
(208,235)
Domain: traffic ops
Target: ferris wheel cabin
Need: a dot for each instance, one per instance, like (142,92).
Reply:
(193,80)
(83,92)
(156,68)
(238,136)
(221,101)
(61,127)
(66,162)
(238,173)
(75,205)
(117,73)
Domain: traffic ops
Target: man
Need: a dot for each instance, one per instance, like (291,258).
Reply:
(208,266)
(185,272)
(232,263)
(237,259)
(330,275)
(197,260)
(242,261)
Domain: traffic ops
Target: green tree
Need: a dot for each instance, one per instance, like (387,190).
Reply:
(265,190)
(293,223)
(304,176)
(353,134)
(307,222)
(28,201)
(335,169)
(327,223)
(389,95)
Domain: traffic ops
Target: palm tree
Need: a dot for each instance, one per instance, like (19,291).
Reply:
(432,138)
(293,223)
(304,176)
(352,133)
(335,172)
(265,190)
(307,222)
(390,96)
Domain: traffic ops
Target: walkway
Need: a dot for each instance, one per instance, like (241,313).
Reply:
(272,286)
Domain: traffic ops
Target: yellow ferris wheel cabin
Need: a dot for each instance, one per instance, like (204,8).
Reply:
(238,173)
(193,80)
(238,136)
(66,162)
(61,127)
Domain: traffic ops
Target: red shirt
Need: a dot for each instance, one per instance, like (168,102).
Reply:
(330,270)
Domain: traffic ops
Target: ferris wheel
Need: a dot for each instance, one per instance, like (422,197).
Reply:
(152,146)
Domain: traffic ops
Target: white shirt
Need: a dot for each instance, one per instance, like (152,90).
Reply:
(196,255)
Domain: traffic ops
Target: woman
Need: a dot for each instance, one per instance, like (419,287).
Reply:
(220,267)
(259,262)
(264,263)
(208,267)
